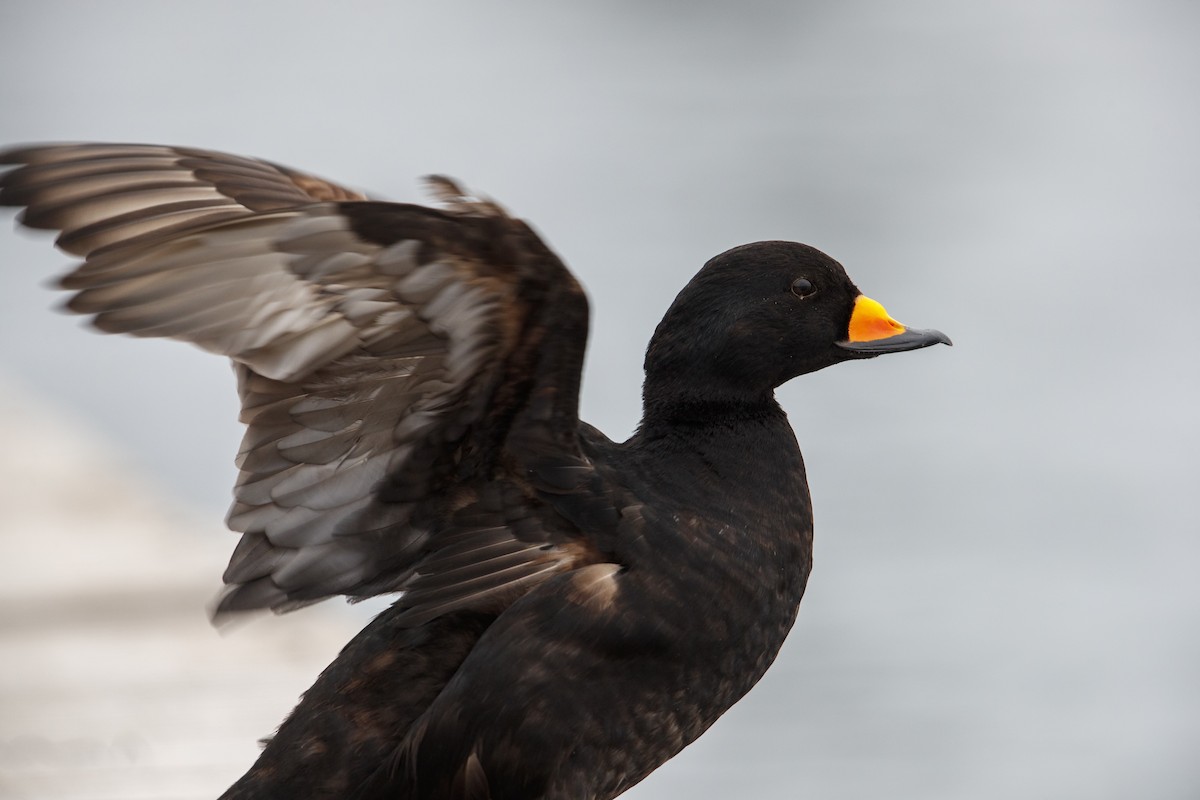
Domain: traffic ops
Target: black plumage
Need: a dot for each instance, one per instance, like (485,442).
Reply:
(572,611)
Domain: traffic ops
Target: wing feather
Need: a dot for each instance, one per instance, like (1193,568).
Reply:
(392,362)
(100,195)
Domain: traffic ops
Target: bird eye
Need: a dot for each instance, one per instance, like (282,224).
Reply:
(802,288)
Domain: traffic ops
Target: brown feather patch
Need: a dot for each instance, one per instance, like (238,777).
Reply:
(595,587)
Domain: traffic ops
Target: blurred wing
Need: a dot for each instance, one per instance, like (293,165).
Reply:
(103,194)
(408,376)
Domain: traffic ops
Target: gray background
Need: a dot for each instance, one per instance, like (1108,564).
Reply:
(1005,601)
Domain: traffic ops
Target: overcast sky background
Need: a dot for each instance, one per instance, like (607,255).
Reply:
(1005,601)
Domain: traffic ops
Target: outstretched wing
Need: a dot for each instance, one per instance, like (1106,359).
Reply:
(108,194)
(408,375)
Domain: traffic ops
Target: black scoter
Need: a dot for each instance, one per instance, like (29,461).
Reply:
(571,611)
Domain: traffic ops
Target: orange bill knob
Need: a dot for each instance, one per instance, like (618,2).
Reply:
(873,332)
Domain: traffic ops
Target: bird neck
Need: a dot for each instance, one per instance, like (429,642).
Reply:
(670,405)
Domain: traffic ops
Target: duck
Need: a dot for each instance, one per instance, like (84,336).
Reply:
(570,612)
